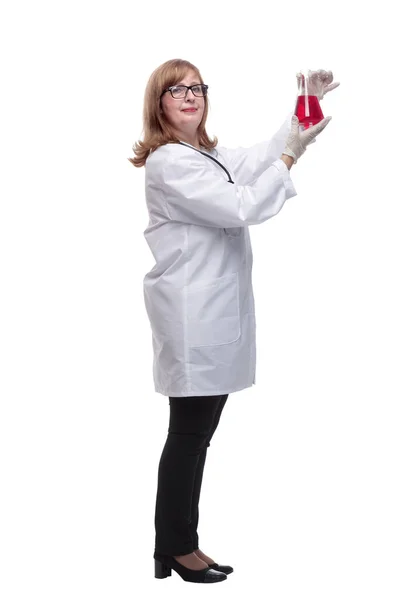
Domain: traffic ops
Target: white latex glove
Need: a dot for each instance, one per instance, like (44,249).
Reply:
(320,82)
(298,141)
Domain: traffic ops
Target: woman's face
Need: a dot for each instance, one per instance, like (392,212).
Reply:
(178,111)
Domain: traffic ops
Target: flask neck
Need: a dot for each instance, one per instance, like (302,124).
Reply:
(307,87)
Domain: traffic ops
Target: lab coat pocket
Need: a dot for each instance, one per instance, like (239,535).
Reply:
(213,311)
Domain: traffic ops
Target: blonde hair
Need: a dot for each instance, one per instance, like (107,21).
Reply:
(156,129)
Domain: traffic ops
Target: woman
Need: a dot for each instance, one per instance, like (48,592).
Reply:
(201,198)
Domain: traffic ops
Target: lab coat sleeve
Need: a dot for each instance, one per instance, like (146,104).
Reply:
(249,163)
(184,188)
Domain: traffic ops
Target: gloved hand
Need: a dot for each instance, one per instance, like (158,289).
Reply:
(298,140)
(320,82)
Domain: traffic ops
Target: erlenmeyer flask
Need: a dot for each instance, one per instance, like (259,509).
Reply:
(310,90)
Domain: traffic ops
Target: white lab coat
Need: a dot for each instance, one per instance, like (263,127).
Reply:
(198,295)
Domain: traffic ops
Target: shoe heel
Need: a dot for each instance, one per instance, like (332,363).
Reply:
(161,570)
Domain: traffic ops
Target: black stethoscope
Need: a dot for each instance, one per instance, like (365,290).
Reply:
(209,156)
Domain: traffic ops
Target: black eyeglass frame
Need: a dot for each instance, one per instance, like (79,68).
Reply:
(188,87)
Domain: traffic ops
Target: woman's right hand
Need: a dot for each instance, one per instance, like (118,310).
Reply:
(298,141)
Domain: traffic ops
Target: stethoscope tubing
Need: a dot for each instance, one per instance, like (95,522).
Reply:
(212,158)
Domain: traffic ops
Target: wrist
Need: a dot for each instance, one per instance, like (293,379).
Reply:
(289,161)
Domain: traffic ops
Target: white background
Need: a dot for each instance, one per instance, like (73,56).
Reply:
(298,492)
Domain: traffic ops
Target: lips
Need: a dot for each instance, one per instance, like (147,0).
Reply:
(189,110)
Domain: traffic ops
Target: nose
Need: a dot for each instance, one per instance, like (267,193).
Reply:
(189,95)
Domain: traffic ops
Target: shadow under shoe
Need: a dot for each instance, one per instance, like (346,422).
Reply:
(165,564)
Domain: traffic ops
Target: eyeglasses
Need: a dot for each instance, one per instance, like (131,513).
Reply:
(180,91)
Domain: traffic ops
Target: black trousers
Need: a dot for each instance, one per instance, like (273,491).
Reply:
(192,423)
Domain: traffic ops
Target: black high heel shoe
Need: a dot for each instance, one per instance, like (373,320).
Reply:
(221,568)
(164,565)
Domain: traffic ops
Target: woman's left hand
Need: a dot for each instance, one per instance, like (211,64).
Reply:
(321,80)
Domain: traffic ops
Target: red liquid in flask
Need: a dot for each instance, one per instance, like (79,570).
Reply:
(308,111)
